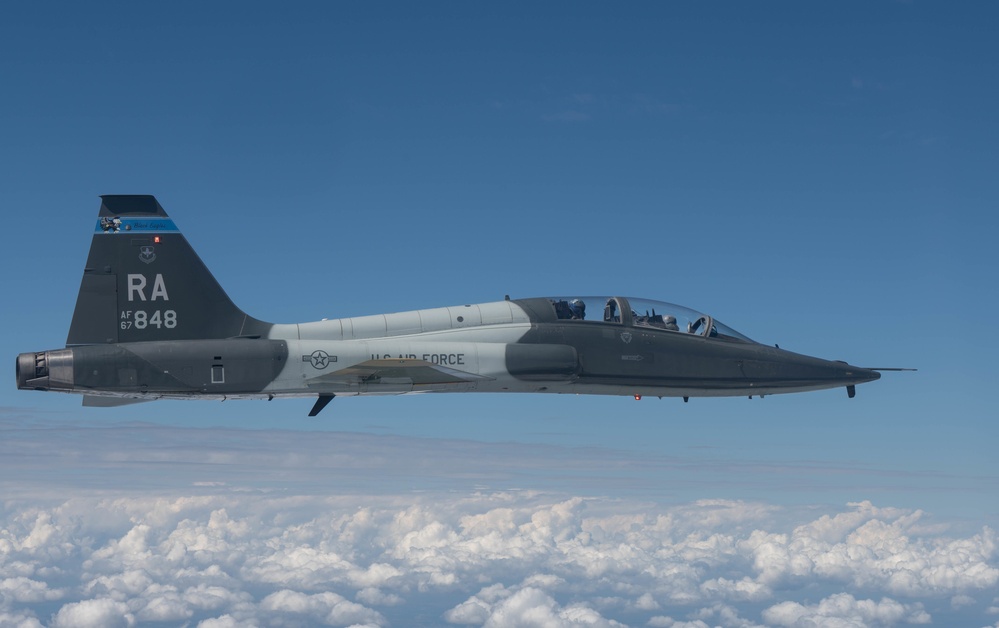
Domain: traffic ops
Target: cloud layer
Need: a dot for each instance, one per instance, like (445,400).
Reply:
(491,559)
(121,525)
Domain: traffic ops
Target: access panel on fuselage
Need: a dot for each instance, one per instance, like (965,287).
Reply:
(610,350)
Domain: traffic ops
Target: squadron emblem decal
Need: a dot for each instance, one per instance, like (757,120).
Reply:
(147,254)
(319,359)
(111,225)
(626,337)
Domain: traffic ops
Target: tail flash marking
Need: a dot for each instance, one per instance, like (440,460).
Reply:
(144,282)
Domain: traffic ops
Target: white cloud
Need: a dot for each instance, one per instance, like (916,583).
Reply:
(745,588)
(481,559)
(376,597)
(724,615)
(960,601)
(474,611)
(327,608)
(646,602)
(23,619)
(843,610)
(224,621)
(872,547)
(227,553)
(163,603)
(99,613)
(530,606)
(664,621)
(21,589)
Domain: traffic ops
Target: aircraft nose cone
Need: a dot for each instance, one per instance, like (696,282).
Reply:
(839,372)
(788,370)
(857,374)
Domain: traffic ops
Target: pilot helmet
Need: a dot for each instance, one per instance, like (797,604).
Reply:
(577,306)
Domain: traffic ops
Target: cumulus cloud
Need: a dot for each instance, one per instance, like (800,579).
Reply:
(281,529)
(320,608)
(845,610)
(483,559)
(498,606)
(99,613)
(21,589)
(871,547)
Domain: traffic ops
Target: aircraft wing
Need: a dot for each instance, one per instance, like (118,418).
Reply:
(397,371)
(98,401)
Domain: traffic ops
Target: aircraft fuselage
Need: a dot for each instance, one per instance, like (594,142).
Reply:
(506,346)
(151,322)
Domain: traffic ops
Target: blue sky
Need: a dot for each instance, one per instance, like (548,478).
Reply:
(821,176)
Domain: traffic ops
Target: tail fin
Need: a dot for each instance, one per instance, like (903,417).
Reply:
(143,281)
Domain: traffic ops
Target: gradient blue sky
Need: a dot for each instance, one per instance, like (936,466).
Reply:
(819,175)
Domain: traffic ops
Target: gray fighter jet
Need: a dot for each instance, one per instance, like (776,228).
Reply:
(151,322)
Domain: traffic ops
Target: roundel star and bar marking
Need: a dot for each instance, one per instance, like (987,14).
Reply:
(319,359)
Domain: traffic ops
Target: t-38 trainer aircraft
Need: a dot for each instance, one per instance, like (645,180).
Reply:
(151,322)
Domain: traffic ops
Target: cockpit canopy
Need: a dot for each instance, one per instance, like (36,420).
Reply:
(632,312)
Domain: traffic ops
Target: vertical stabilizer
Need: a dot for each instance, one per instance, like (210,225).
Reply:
(143,281)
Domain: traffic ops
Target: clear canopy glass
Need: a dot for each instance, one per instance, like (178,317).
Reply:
(629,311)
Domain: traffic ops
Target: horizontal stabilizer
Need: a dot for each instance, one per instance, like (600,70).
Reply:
(397,371)
(95,401)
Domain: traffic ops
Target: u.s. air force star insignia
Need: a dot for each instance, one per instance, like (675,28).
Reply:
(626,337)
(319,358)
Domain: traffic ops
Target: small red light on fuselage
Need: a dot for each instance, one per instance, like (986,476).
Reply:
(156,239)
(638,397)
